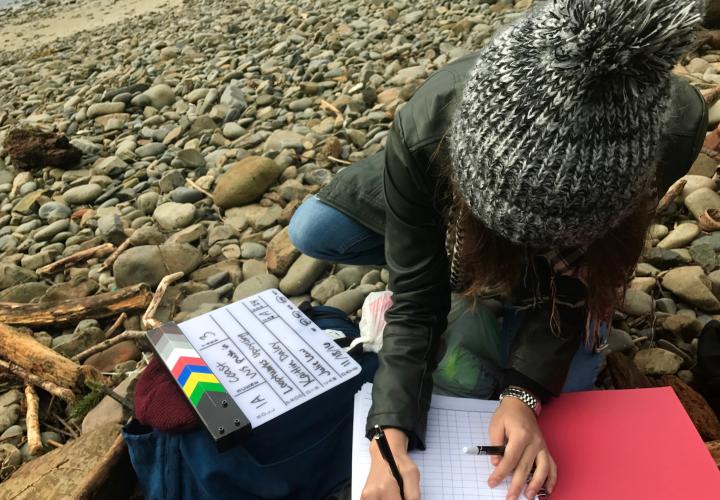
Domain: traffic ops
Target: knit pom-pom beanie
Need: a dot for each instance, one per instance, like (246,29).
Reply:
(558,129)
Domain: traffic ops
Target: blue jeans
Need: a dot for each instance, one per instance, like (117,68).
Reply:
(323,232)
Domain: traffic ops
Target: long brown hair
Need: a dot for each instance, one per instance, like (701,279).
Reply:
(493,265)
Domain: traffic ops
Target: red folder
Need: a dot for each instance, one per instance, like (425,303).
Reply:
(627,445)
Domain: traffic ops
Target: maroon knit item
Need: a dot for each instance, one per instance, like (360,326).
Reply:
(159,402)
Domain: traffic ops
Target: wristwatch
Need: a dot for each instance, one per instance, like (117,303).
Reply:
(523,395)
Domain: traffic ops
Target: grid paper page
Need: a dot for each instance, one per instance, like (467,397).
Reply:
(446,473)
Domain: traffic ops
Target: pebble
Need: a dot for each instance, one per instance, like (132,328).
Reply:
(232,131)
(159,96)
(695,182)
(13,435)
(151,149)
(301,275)
(681,236)
(49,231)
(194,301)
(327,288)
(692,285)
(350,276)
(255,285)
(348,301)
(53,211)
(252,250)
(662,257)
(252,267)
(107,360)
(701,200)
(81,195)
(149,264)
(637,303)
(281,253)
(191,158)
(245,181)
(284,139)
(11,275)
(619,341)
(172,216)
(655,361)
(105,108)
(87,334)
(685,327)
(704,255)
(24,293)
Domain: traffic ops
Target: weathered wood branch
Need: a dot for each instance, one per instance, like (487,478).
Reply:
(72,311)
(60,265)
(32,420)
(339,118)
(113,257)
(65,394)
(37,364)
(195,186)
(670,196)
(106,344)
(148,319)
(110,332)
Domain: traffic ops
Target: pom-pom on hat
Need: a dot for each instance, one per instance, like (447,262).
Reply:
(558,130)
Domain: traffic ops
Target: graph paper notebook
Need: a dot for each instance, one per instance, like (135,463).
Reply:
(445,472)
(621,445)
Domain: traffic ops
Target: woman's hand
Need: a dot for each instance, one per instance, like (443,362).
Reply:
(381,484)
(515,425)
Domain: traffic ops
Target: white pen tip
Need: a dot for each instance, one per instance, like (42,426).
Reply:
(466,450)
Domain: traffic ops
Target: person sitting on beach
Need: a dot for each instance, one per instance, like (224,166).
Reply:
(528,171)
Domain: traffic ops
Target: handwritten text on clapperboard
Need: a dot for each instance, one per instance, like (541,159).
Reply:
(269,356)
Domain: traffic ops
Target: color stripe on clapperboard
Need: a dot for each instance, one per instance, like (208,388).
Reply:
(188,368)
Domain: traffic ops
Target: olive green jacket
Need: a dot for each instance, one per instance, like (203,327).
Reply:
(399,192)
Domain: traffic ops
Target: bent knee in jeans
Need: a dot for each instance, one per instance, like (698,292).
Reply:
(323,232)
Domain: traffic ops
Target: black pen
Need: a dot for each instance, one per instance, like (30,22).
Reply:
(500,450)
(386,453)
(484,450)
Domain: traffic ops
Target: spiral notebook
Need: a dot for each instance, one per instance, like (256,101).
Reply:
(446,473)
(629,444)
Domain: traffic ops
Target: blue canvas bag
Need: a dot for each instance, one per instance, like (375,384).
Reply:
(303,454)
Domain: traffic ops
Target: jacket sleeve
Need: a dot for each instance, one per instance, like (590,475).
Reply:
(419,280)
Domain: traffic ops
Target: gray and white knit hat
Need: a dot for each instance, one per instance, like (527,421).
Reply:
(559,125)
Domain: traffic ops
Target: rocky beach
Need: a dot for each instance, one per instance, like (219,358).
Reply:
(142,139)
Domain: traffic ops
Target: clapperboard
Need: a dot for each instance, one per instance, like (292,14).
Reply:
(249,362)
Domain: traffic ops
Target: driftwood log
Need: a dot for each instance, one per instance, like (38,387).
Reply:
(112,477)
(97,306)
(41,362)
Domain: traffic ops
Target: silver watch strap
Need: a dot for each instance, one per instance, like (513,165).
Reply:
(526,397)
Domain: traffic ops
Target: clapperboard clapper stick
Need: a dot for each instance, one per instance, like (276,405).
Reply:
(250,362)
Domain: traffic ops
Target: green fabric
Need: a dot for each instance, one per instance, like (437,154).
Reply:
(470,366)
